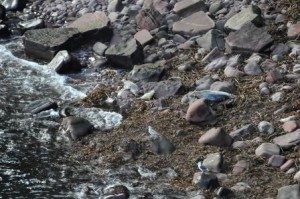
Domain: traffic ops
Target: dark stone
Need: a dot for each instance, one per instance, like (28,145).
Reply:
(64,63)
(45,43)
(125,55)
(4,31)
(205,180)
(76,127)
(14,5)
(149,19)
(116,192)
(2,12)
(163,89)
(147,72)
(248,39)
(40,106)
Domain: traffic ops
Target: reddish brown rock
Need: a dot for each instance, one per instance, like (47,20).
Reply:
(287,165)
(216,137)
(198,111)
(290,126)
(273,76)
(240,167)
(294,30)
(288,140)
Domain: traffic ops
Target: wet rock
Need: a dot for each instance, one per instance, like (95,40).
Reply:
(4,31)
(32,24)
(102,120)
(209,95)
(149,19)
(224,192)
(251,14)
(240,167)
(265,127)
(287,165)
(125,55)
(276,160)
(160,145)
(76,127)
(289,192)
(197,23)
(266,150)
(184,8)
(13,5)
(205,180)
(40,106)
(116,192)
(143,37)
(99,48)
(243,131)
(294,30)
(216,137)
(248,38)
(213,162)
(147,72)
(288,140)
(290,126)
(45,43)
(212,39)
(64,63)
(2,12)
(198,112)
(93,26)
(163,89)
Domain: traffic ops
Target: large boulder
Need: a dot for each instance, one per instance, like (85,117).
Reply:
(250,14)
(45,43)
(64,63)
(93,26)
(195,24)
(125,55)
(248,39)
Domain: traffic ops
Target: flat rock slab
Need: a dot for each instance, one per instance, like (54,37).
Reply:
(197,23)
(250,14)
(186,7)
(45,43)
(248,39)
(93,24)
(143,36)
(125,55)
(288,140)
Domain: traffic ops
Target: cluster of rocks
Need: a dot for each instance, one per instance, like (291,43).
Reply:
(232,40)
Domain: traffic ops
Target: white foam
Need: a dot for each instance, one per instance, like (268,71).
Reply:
(48,76)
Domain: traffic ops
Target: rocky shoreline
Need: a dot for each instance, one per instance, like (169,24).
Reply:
(208,92)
